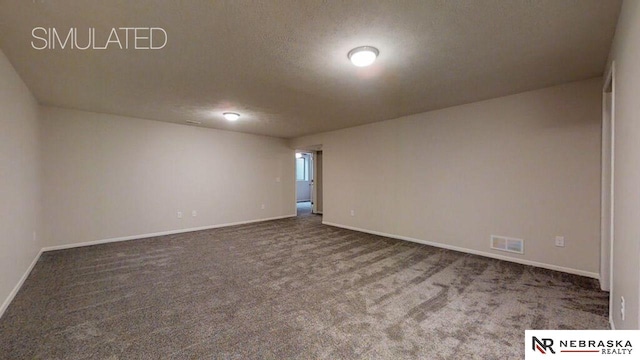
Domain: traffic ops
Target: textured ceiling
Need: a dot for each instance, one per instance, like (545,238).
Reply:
(283,64)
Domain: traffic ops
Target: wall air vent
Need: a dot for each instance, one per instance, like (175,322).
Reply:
(507,244)
(193,122)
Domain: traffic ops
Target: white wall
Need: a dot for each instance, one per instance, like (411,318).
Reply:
(525,166)
(110,176)
(626,246)
(19,180)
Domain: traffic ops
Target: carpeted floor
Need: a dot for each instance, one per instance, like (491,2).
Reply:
(290,288)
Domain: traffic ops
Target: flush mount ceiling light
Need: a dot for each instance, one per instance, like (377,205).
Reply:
(363,55)
(231,116)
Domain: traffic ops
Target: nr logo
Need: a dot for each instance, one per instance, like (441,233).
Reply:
(543,345)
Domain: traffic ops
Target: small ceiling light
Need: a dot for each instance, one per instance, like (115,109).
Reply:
(298,155)
(231,116)
(363,55)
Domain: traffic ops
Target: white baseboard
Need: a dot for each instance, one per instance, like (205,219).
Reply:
(16,288)
(474,252)
(162,233)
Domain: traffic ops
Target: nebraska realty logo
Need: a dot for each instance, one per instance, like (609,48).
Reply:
(122,38)
(580,344)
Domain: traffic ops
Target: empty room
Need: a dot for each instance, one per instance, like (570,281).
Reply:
(319,179)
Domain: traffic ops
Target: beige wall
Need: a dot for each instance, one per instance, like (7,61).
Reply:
(626,245)
(524,166)
(19,180)
(109,176)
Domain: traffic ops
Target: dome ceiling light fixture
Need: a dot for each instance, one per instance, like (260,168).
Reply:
(231,116)
(363,55)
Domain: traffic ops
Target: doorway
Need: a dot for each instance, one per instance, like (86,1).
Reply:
(607,198)
(308,175)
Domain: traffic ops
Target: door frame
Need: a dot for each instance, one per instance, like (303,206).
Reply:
(317,179)
(607,233)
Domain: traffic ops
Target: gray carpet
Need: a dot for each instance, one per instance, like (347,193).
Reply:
(290,288)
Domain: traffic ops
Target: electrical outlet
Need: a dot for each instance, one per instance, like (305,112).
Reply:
(353,213)
(179,214)
(277,179)
(622,307)
(262,207)
(194,213)
(560,241)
